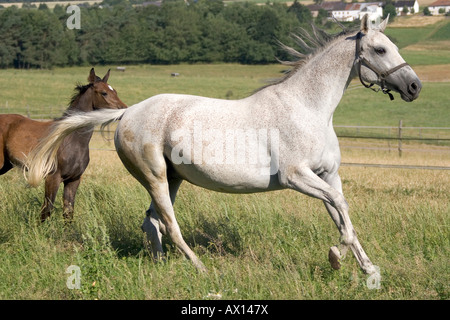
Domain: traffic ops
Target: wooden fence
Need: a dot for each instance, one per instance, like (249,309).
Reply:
(397,135)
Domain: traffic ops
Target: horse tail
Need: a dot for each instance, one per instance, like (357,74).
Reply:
(42,160)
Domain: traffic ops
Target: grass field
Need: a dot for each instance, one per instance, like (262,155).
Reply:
(257,246)
(23,93)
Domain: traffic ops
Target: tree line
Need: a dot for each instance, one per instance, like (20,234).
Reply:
(174,31)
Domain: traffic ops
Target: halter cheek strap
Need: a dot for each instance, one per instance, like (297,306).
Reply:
(381,75)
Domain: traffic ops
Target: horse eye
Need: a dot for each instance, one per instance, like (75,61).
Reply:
(380,51)
(104,93)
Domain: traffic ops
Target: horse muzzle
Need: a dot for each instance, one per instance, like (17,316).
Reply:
(406,83)
(413,91)
(410,90)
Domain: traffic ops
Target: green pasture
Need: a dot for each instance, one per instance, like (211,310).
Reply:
(403,37)
(45,93)
(360,106)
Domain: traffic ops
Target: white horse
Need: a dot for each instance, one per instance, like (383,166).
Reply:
(280,137)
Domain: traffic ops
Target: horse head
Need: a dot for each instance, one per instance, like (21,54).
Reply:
(379,62)
(104,96)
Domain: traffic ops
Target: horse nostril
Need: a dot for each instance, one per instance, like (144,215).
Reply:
(412,88)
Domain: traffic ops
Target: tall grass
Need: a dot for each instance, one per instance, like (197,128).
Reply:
(257,246)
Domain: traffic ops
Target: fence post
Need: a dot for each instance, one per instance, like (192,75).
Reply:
(389,140)
(400,124)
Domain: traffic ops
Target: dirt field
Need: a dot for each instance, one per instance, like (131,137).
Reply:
(435,73)
(415,21)
(429,45)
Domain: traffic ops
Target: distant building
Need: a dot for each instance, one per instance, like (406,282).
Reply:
(440,5)
(411,5)
(343,11)
(374,10)
(151,3)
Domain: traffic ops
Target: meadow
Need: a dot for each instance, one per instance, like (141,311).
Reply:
(257,246)
(44,94)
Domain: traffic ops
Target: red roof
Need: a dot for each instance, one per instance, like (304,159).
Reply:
(440,3)
(353,6)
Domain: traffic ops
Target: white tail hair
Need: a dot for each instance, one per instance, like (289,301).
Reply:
(42,160)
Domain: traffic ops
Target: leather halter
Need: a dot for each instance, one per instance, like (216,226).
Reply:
(381,75)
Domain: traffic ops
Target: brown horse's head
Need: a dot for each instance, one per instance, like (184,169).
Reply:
(103,95)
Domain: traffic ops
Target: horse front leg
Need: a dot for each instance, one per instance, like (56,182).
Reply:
(342,222)
(330,191)
(52,183)
(70,190)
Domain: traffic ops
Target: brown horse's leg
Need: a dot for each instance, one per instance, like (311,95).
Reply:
(70,190)
(5,164)
(51,189)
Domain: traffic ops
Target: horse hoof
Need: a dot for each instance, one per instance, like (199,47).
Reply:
(201,268)
(334,256)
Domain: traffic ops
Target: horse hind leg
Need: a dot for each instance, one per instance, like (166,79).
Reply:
(154,228)
(150,169)
(5,164)
(164,209)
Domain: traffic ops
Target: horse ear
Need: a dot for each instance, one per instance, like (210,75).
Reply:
(383,24)
(106,77)
(92,77)
(365,24)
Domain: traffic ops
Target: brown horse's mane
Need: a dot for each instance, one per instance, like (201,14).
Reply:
(79,90)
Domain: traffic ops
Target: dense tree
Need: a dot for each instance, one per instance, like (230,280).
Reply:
(302,12)
(389,9)
(116,32)
(10,24)
(31,38)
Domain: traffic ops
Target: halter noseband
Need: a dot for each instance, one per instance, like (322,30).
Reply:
(381,75)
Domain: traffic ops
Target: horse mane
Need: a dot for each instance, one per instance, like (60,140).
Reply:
(310,43)
(78,91)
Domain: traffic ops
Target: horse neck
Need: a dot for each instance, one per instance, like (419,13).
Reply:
(83,102)
(321,82)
